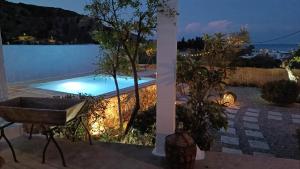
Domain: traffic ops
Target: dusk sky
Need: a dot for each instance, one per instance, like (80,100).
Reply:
(265,19)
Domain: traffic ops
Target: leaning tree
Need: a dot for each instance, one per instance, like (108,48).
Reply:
(112,63)
(130,23)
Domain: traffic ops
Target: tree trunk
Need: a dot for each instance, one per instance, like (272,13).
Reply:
(119,103)
(3,82)
(137,98)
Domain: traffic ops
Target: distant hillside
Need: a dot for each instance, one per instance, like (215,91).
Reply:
(22,23)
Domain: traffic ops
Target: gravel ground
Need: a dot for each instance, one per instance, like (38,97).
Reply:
(260,128)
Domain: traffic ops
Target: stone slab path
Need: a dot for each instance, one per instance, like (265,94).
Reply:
(261,131)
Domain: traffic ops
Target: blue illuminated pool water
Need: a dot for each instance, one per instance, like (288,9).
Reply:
(91,85)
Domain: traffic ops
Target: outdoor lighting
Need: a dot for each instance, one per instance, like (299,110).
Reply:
(229,99)
(74,86)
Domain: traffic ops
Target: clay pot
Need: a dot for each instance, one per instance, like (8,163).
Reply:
(180,151)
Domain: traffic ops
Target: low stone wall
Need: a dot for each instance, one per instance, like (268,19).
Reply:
(147,99)
(257,76)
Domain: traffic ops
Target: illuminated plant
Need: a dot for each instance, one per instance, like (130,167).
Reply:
(113,63)
(92,113)
(203,115)
(220,50)
(127,23)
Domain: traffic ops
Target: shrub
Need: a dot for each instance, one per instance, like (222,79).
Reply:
(143,129)
(259,61)
(145,120)
(203,124)
(203,114)
(281,92)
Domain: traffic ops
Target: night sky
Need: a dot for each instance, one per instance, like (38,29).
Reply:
(265,19)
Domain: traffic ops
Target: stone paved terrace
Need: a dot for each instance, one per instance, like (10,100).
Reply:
(255,127)
(81,155)
(259,128)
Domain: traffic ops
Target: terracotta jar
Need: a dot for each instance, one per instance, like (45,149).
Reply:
(1,162)
(180,151)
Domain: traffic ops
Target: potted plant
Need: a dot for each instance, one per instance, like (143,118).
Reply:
(202,115)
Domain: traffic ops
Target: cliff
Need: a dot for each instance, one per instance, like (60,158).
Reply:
(30,24)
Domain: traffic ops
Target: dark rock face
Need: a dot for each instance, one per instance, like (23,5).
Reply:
(43,23)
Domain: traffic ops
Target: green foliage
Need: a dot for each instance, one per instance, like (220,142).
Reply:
(202,124)
(281,92)
(246,50)
(112,63)
(203,114)
(130,30)
(297,52)
(143,129)
(190,70)
(221,49)
(127,24)
(142,132)
(94,107)
(196,44)
(148,56)
(294,63)
(145,120)
(136,137)
(259,61)
(111,135)
(200,127)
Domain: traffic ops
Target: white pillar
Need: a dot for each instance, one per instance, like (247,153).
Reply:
(3,82)
(166,77)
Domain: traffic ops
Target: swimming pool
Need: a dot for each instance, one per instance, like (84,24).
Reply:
(91,85)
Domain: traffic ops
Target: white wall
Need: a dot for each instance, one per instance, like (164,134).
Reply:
(33,62)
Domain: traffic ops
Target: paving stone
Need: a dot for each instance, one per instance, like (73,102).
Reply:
(251,114)
(263,154)
(274,113)
(250,119)
(296,116)
(296,121)
(271,117)
(230,123)
(232,111)
(253,110)
(231,150)
(229,130)
(231,116)
(253,133)
(259,144)
(251,125)
(230,140)
(234,107)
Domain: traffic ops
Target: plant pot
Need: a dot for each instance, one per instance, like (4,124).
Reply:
(2,162)
(180,151)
